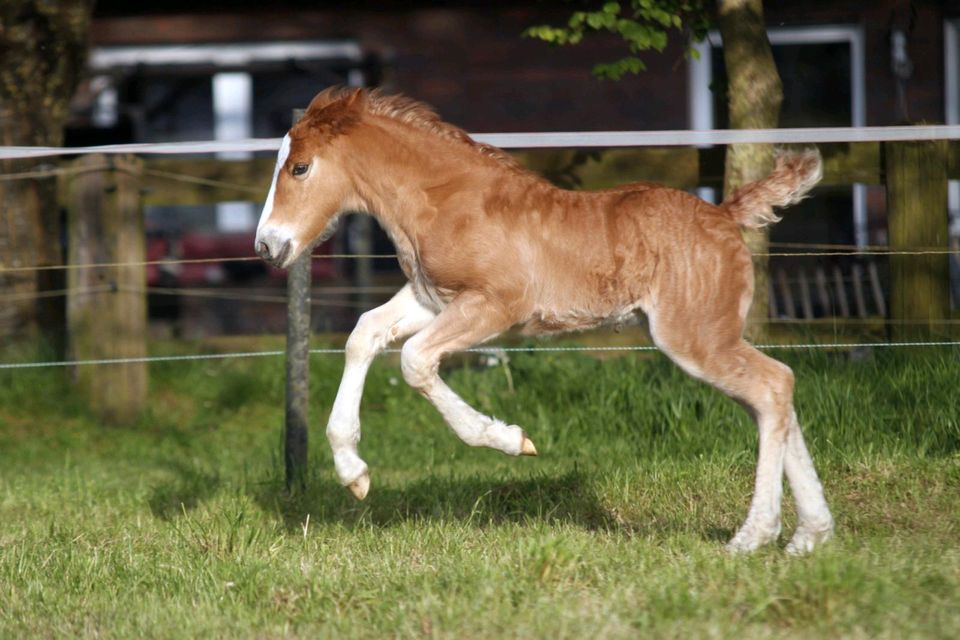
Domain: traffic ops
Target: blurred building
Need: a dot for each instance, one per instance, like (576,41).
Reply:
(166,71)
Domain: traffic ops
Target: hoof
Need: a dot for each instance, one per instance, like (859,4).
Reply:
(742,547)
(360,486)
(805,540)
(526,447)
(749,539)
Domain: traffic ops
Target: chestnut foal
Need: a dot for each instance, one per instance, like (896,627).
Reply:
(487,246)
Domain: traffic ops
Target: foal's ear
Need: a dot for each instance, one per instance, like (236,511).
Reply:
(355,97)
(333,111)
(339,96)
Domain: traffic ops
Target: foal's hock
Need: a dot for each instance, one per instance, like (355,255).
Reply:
(487,246)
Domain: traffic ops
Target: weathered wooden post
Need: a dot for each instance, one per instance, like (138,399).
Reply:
(298,366)
(361,242)
(298,369)
(916,180)
(107,306)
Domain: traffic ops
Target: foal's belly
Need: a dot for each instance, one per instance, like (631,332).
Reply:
(547,321)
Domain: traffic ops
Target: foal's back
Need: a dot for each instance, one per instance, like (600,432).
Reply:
(599,256)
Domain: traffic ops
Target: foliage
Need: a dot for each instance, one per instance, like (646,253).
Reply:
(180,526)
(642,25)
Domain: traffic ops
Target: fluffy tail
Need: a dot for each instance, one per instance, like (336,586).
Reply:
(794,175)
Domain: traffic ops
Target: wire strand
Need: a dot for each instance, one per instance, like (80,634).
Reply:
(168,262)
(489,350)
(378,256)
(239,297)
(52,173)
(887,252)
(155,173)
(205,182)
(54,293)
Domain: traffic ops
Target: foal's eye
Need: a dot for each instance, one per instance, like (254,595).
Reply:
(299,169)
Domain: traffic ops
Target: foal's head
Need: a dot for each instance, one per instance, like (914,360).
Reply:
(310,185)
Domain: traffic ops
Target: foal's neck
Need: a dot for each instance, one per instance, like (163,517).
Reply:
(397,170)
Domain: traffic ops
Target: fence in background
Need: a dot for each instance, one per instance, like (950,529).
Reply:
(105,195)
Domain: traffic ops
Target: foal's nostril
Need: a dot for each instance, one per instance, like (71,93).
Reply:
(282,253)
(273,249)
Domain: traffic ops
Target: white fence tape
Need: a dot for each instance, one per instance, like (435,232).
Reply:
(558,139)
(207,146)
(718,137)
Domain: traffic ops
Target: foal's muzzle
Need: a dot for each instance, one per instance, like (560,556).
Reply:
(273,248)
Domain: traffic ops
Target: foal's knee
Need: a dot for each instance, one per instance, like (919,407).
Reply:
(364,338)
(783,384)
(418,370)
(778,399)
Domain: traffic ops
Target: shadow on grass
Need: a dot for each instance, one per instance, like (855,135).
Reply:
(566,498)
(563,499)
(191,487)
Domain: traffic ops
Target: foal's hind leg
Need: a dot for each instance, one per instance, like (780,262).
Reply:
(765,387)
(467,320)
(815,524)
(401,316)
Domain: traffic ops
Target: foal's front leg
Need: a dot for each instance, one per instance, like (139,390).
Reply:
(468,320)
(377,328)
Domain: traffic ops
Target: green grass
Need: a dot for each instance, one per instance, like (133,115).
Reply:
(180,526)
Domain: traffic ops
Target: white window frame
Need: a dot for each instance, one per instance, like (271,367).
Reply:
(236,55)
(232,85)
(951,106)
(700,99)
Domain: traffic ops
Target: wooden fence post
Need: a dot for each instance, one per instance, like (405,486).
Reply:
(361,236)
(107,306)
(298,367)
(916,180)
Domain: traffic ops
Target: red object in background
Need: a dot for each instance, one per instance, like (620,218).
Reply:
(212,247)
(157,249)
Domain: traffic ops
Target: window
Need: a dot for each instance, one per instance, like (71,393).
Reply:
(222,92)
(822,70)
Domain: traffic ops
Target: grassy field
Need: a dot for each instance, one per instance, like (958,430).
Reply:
(180,526)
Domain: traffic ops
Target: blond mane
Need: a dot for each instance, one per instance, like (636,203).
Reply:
(408,111)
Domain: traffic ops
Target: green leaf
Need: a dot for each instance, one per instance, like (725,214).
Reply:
(645,25)
(547,34)
(616,70)
(595,20)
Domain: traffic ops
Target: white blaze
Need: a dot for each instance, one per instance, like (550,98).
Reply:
(281,160)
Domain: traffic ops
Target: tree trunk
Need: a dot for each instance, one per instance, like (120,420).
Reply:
(42,53)
(754,97)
